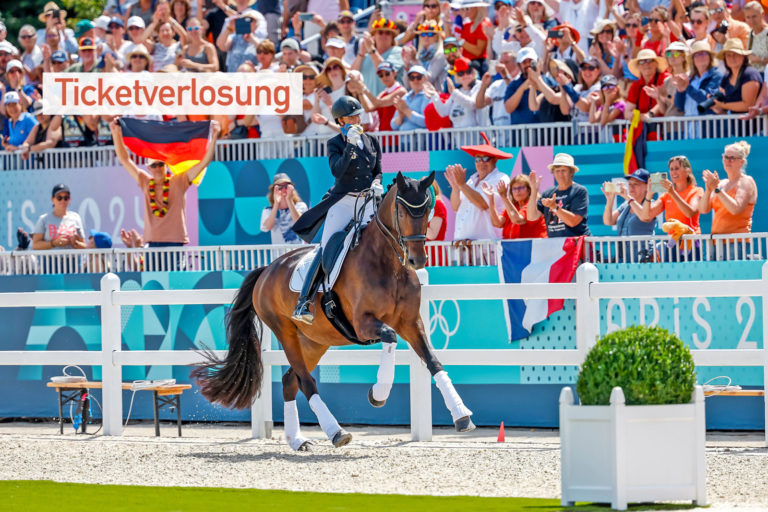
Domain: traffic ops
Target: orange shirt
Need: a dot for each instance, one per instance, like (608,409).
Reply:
(724,222)
(535,229)
(672,211)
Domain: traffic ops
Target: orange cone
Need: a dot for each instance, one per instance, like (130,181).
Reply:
(501,433)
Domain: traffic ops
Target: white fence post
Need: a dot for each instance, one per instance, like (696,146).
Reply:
(587,310)
(765,349)
(421,380)
(261,409)
(111,371)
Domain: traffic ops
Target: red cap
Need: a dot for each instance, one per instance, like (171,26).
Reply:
(486,149)
(461,64)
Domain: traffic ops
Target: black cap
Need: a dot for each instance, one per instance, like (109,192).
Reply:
(59,188)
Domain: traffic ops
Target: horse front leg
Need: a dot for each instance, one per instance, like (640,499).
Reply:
(413,332)
(296,441)
(371,328)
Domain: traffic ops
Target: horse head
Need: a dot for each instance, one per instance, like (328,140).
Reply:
(407,206)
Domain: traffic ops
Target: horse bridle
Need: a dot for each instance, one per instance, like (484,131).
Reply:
(401,240)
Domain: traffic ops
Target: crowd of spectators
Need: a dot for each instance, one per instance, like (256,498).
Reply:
(463,63)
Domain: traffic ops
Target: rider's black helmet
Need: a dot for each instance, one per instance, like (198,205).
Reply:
(346,106)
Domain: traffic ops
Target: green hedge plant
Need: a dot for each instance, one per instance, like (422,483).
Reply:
(651,365)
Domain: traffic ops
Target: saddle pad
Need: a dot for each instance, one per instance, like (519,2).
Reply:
(300,272)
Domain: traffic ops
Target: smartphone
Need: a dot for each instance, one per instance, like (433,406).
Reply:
(655,182)
(306,16)
(243,26)
(327,89)
(645,20)
(56,14)
(555,34)
(611,188)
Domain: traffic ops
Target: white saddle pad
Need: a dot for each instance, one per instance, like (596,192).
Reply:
(300,272)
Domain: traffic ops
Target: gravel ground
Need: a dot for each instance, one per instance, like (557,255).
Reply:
(379,460)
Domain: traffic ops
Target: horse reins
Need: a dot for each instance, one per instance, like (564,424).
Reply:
(400,239)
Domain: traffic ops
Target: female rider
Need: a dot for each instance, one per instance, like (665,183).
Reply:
(355,161)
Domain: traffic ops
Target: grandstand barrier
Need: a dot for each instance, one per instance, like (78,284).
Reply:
(541,134)
(605,249)
(587,291)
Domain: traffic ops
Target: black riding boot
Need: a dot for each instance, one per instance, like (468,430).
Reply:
(302,313)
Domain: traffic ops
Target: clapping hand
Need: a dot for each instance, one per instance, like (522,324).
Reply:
(487,190)
(711,179)
(549,202)
(652,91)
(535,183)
(502,188)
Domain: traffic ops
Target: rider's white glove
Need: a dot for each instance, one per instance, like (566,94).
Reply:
(354,135)
(377,188)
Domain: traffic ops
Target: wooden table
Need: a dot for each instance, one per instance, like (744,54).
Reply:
(163,396)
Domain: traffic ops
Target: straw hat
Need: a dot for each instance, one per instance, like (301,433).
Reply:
(702,46)
(735,46)
(601,25)
(678,46)
(563,160)
(555,65)
(51,6)
(139,49)
(646,54)
(486,150)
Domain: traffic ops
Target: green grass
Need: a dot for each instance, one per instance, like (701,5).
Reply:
(24,495)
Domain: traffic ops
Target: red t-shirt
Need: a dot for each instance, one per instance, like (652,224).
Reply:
(437,256)
(387,113)
(636,95)
(535,229)
(473,38)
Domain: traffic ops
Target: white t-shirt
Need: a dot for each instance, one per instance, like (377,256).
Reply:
(281,232)
(496,92)
(472,222)
(51,226)
(460,107)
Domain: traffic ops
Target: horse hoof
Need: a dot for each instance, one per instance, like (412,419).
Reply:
(373,401)
(304,446)
(341,438)
(464,424)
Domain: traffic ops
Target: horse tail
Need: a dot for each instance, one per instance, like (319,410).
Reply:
(236,380)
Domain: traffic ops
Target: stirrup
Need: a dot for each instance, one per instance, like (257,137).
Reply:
(303,313)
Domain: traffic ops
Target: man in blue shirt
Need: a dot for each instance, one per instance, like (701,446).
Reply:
(19,127)
(516,97)
(410,108)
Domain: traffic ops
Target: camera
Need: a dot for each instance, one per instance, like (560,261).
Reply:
(533,65)
(722,28)
(555,34)
(306,16)
(242,26)
(710,102)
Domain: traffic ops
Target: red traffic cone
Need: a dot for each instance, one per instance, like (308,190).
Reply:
(501,433)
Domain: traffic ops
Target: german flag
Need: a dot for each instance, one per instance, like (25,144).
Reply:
(636,147)
(181,145)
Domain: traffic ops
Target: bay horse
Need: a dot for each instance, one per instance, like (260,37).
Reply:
(379,292)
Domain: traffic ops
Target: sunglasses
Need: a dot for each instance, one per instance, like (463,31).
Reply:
(655,20)
(431,6)
(138,56)
(191,29)
(335,67)
(283,186)
(462,73)
(483,158)
(698,22)
(427,34)
(415,77)
(646,61)
(114,26)
(262,52)
(384,73)
(607,31)
(716,11)
(674,53)
(156,165)
(731,157)
(609,86)
(700,54)
(62,198)
(588,67)
(308,77)
(346,21)
(633,25)
(13,70)
(26,36)
(450,50)
(134,27)
(519,188)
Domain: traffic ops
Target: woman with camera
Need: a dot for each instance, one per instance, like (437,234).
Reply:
(285,208)
(701,82)
(741,83)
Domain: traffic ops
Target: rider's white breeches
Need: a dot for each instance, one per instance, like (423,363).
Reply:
(341,213)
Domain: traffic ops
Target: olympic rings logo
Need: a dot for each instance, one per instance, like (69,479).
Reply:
(437,319)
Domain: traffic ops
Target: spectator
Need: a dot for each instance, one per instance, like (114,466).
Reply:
(658,36)
(729,27)
(376,48)
(136,28)
(198,54)
(760,106)
(331,86)
(52,43)
(430,54)
(117,43)
(733,198)
(539,16)
(563,206)
(239,48)
(491,92)
(97,263)
(460,106)
(677,55)
(265,57)
(100,26)
(526,34)
(581,15)
(430,12)
(513,221)
(143,9)
(384,103)
(629,217)
(516,98)
(61,228)
(181,11)
(451,51)
(164,210)
(605,47)
(87,52)
(551,101)
(410,108)
(682,198)
(57,62)
(741,83)
(630,46)
(438,224)
(651,72)
(285,208)
(475,47)
(758,35)
(348,33)
(165,49)
(607,105)
(700,23)
(139,59)
(32,58)
(289,54)
(65,36)
(565,46)
(14,75)
(467,198)
(48,133)
(589,82)
(702,82)
(7,51)
(309,84)
(20,126)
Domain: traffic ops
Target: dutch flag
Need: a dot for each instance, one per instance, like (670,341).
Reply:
(540,260)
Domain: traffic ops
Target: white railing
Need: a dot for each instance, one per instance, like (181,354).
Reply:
(542,134)
(586,291)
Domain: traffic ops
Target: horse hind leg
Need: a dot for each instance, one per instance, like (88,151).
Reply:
(385,376)
(296,441)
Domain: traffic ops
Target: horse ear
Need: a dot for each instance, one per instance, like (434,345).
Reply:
(400,180)
(425,183)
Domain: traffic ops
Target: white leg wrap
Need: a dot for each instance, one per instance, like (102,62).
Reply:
(452,399)
(386,374)
(327,422)
(292,428)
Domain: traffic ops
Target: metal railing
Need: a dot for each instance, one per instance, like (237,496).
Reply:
(543,134)
(603,249)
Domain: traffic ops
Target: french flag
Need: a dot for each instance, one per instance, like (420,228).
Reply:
(539,260)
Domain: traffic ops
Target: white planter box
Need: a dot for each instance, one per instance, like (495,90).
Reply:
(640,453)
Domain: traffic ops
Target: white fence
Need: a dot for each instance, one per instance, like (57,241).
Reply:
(540,134)
(606,249)
(587,290)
